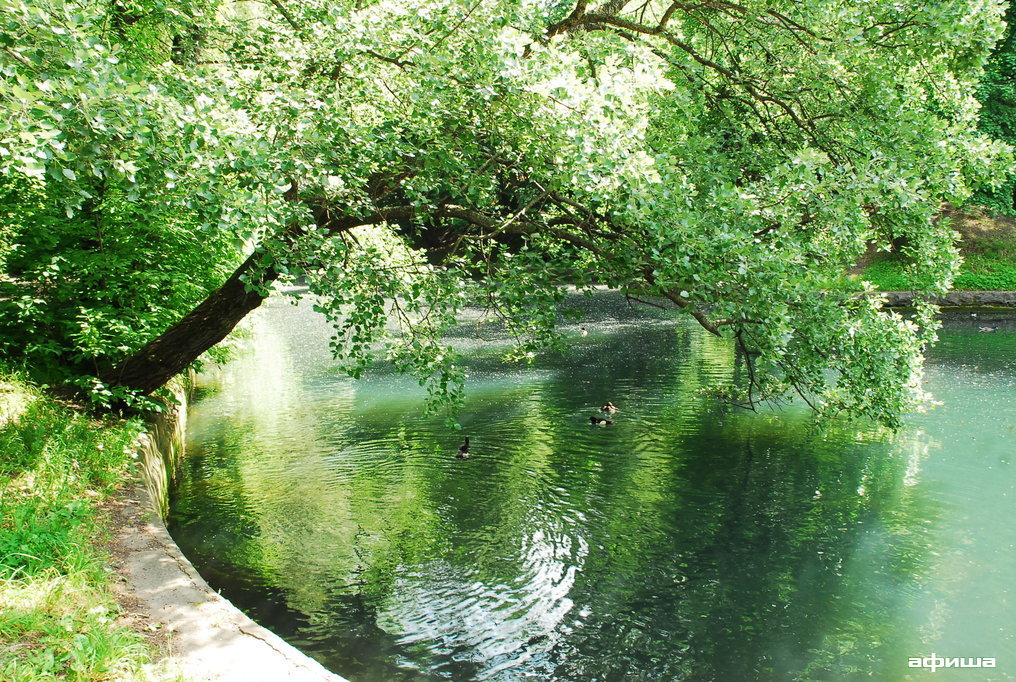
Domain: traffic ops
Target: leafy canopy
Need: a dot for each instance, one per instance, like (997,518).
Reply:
(735,158)
(997,94)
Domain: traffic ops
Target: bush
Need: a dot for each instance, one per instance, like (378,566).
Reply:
(987,272)
(81,291)
(997,94)
(890,275)
(980,272)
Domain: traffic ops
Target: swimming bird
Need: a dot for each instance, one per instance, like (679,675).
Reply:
(583,332)
(463,452)
(988,330)
(600,421)
(609,408)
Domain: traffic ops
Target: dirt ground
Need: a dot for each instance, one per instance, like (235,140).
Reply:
(121,512)
(980,230)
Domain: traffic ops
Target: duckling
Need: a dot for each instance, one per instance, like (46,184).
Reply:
(609,408)
(600,421)
(463,452)
(988,330)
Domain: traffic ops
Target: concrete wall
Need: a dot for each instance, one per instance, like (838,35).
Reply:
(162,448)
(956,298)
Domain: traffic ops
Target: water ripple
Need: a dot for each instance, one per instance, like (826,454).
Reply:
(684,541)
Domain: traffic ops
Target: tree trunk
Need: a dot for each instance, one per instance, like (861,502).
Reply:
(211,321)
(208,324)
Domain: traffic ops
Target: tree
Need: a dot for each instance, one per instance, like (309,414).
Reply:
(734,158)
(997,94)
(86,288)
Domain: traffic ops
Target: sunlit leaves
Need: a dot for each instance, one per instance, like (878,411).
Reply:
(738,158)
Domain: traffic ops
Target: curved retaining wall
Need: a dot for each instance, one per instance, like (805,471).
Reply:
(209,638)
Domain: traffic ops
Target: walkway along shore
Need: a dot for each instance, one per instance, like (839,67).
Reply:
(204,637)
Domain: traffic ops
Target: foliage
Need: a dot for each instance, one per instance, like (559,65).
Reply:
(13,214)
(92,270)
(57,617)
(981,272)
(83,289)
(734,158)
(997,94)
(60,627)
(988,265)
(889,275)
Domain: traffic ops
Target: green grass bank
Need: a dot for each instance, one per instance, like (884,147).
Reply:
(988,247)
(58,615)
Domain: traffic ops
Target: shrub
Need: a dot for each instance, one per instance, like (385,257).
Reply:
(80,292)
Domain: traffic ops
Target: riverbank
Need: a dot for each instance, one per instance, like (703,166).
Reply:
(59,469)
(955,299)
(987,244)
(199,635)
(92,586)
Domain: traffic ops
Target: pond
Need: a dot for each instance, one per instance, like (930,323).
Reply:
(687,540)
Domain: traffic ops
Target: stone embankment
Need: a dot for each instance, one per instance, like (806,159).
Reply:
(1006,299)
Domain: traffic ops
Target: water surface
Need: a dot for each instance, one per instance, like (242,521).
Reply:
(687,541)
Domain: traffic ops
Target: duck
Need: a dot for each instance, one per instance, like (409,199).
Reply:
(609,408)
(463,452)
(600,421)
(583,331)
(988,330)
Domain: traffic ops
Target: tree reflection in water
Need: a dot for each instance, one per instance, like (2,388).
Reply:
(687,541)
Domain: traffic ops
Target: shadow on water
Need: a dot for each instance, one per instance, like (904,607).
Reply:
(685,541)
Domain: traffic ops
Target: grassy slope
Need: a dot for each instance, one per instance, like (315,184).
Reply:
(988,246)
(58,618)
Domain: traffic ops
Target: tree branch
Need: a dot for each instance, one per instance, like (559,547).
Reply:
(286,15)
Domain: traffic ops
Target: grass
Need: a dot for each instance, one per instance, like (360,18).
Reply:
(62,625)
(980,272)
(988,247)
(58,617)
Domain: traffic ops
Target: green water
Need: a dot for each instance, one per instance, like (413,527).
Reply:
(687,541)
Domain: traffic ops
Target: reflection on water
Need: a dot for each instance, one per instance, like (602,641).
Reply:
(685,541)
